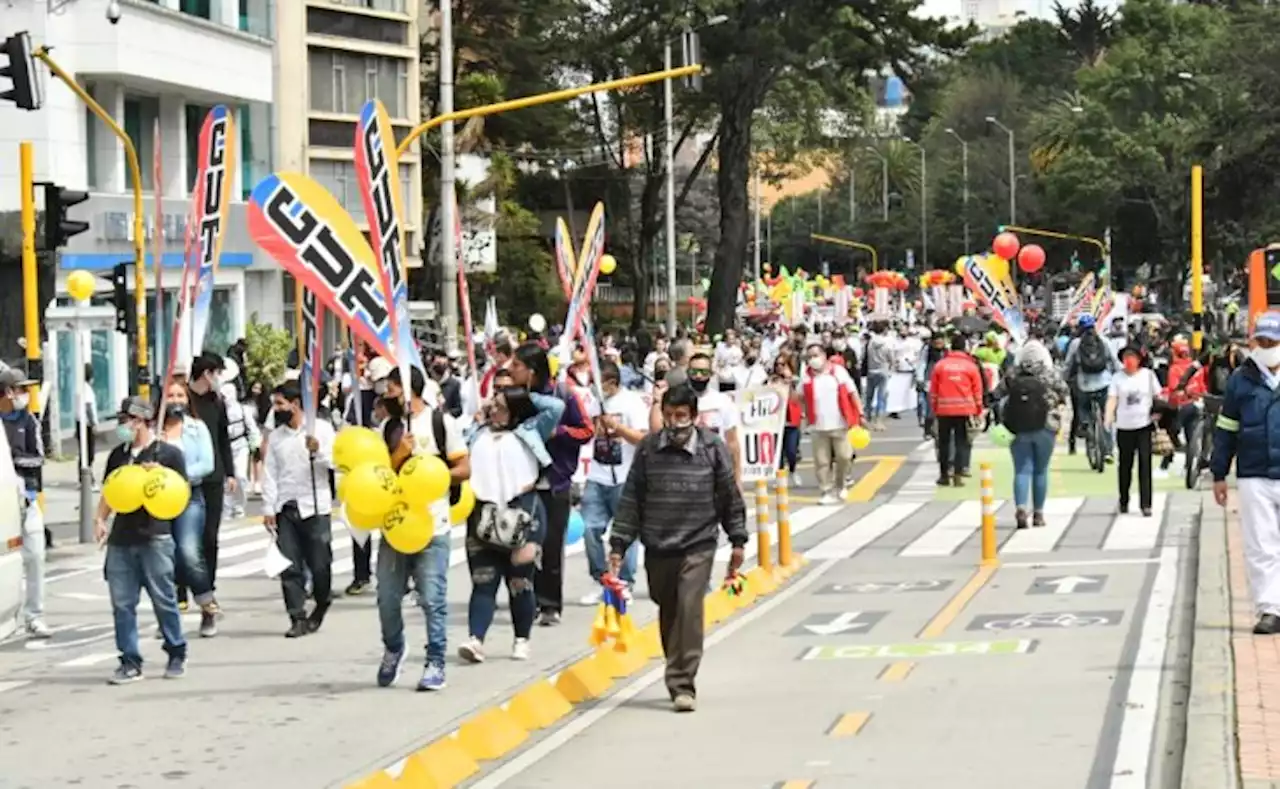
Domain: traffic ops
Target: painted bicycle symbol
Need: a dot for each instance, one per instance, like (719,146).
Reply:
(1066,620)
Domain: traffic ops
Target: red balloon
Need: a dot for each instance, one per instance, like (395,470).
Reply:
(1031,258)
(1005,245)
(900,284)
(857,293)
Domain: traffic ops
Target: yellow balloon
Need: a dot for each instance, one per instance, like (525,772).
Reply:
(859,438)
(123,488)
(362,520)
(458,513)
(373,488)
(423,479)
(81,284)
(608,264)
(960,267)
(998,267)
(407,528)
(165,493)
(553,364)
(357,446)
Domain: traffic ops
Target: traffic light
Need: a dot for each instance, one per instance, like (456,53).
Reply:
(120,298)
(58,228)
(21,70)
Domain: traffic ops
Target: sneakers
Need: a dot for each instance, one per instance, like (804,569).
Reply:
(125,673)
(357,588)
(208,622)
(298,629)
(389,668)
(1020,518)
(432,678)
(36,628)
(684,703)
(796,480)
(472,650)
(1268,625)
(176,668)
(827,499)
(593,597)
(550,618)
(520,649)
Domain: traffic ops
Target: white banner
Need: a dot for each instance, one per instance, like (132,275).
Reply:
(764,412)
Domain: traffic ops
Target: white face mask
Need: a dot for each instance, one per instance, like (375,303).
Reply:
(839,345)
(1268,358)
(816,363)
(20,401)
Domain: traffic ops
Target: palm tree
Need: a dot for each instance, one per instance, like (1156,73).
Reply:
(1089,29)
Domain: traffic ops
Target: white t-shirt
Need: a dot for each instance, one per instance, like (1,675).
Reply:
(611,456)
(424,436)
(1135,394)
(717,411)
(826,402)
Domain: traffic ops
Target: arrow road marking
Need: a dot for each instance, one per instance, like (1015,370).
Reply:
(1069,583)
(842,623)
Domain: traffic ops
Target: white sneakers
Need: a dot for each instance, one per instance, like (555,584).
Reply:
(593,597)
(472,650)
(828,499)
(520,649)
(36,628)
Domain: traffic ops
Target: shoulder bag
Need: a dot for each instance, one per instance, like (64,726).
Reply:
(501,525)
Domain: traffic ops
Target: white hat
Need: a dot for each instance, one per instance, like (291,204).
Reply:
(230,370)
(377,369)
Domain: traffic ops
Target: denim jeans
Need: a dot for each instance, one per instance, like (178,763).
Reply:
(599,503)
(129,569)
(790,448)
(490,566)
(1031,454)
(188,538)
(429,570)
(877,391)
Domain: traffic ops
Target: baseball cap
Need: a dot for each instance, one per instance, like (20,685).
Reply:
(136,407)
(1267,326)
(13,378)
(378,369)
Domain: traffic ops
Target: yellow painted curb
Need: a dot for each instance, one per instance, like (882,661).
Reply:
(648,641)
(634,658)
(448,761)
(539,705)
(617,665)
(762,580)
(379,780)
(583,680)
(491,734)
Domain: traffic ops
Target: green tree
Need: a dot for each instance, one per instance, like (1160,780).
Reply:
(266,352)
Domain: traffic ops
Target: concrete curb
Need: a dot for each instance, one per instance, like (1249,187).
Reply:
(1209,756)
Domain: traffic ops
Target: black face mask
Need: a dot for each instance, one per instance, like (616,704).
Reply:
(393,407)
(699,384)
(438,370)
(174,412)
(658,375)
(283,416)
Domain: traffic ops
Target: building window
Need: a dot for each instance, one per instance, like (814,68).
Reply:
(91,144)
(331,134)
(344,81)
(140,114)
(200,8)
(340,179)
(244,117)
(195,115)
(323,22)
(393,6)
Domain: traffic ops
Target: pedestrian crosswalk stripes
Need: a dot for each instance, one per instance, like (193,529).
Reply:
(950,533)
(1058,515)
(1134,532)
(863,531)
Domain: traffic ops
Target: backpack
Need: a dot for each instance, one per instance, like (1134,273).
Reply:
(1092,355)
(437,429)
(1027,408)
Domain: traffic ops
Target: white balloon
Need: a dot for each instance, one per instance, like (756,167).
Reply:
(537,322)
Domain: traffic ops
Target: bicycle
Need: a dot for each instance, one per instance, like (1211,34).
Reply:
(1095,433)
(1199,448)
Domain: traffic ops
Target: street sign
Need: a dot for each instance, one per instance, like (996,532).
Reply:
(1068,584)
(838,624)
(878,587)
(1060,620)
(920,650)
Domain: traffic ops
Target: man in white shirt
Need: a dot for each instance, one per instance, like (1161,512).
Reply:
(428,428)
(296,506)
(621,424)
(716,410)
(831,406)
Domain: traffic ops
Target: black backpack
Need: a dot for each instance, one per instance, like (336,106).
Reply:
(437,428)
(1027,408)
(1092,356)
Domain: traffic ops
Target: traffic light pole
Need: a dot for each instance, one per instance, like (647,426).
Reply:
(30,275)
(139,242)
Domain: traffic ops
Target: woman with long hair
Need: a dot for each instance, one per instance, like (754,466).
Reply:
(784,374)
(509,446)
(1130,402)
(182,428)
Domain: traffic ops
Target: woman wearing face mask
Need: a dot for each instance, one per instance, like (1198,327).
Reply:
(1130,401)
(784,374)
(184,430)
(514,458)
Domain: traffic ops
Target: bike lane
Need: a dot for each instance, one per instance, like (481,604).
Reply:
(876,668)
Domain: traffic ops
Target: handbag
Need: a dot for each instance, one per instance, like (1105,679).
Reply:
(502,525)
(1161,443)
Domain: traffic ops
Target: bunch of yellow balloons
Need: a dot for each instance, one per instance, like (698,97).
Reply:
(374,496)
(161,490)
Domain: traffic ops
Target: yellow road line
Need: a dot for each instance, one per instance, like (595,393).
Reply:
(954,606)
(797,783)
(849,724)
(896,672)
(875,479)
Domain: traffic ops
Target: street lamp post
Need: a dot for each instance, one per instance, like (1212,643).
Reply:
(964,176)
(884,183)
(1013,170)
(448,195)
(924,203)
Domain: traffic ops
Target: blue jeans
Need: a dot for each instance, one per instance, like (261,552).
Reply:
(490,566)
(188,536)
(599,503)
(1031,454)
(130,568)
(430,572)
(790,448)
(877,391)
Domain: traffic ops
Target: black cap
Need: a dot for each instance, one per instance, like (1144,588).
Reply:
(137,408)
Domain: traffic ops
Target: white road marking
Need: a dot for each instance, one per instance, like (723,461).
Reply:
(13,685)
(1057,516)
(1074,563)
(1133,532)
(91,659)
(948,534)
(1138,726)
(863,531)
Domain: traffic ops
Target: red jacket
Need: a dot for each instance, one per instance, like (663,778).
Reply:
(955,388)
(846,396)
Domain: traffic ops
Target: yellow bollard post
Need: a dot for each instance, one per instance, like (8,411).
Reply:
(784,524)
(764,548)
(988,517)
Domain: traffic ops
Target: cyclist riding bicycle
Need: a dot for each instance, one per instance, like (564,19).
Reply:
(1089,367)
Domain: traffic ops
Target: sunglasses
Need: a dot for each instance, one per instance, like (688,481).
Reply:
(700,375)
